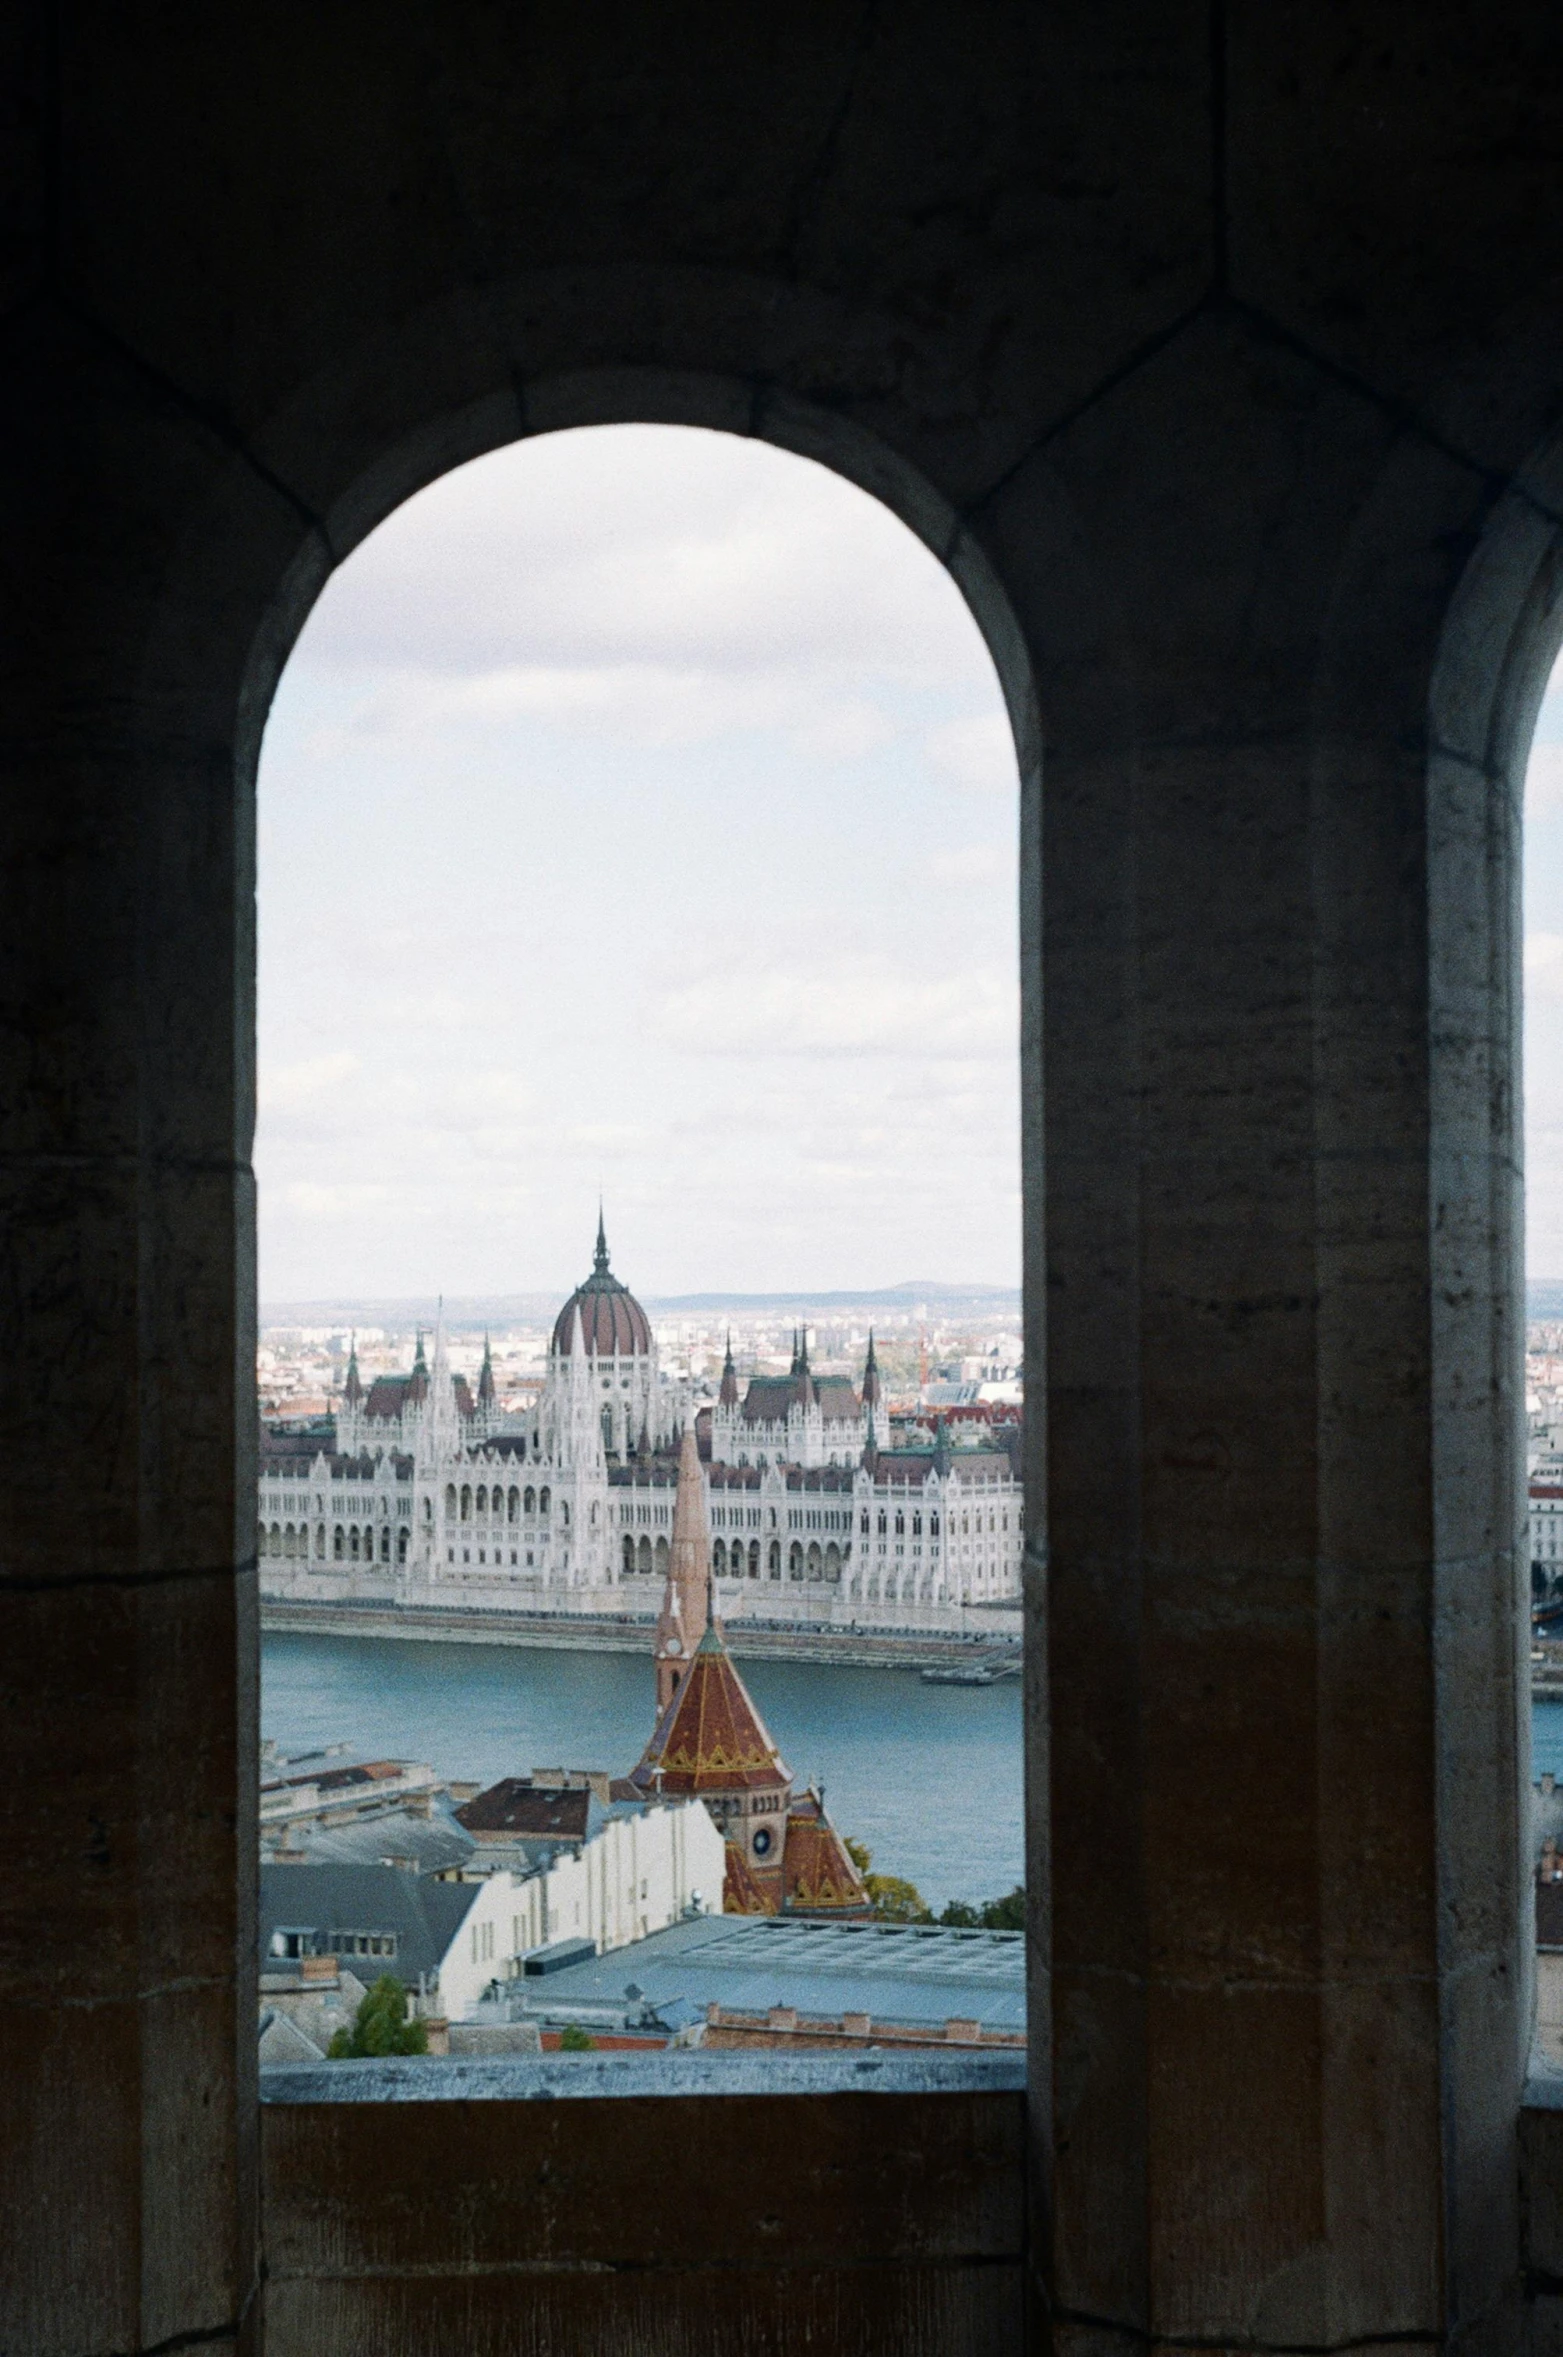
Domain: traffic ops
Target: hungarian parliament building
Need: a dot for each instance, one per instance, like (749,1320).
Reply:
(428,1494)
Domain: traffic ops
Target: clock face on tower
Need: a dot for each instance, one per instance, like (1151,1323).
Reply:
(673,1645)
(762,1840)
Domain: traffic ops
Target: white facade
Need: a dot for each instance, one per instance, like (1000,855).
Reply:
(645,1869)
(433,1498)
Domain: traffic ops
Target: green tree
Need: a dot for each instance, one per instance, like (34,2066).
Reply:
(380,2025)
(574,2040)
(1006,1914)
(892,1900)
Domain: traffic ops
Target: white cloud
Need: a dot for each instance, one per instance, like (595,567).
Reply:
(1544,780)
(1544,966)
(301,1087)
(657,705)
(855,1007)
(977,753)
(972,863)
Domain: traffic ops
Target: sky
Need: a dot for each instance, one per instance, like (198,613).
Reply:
(1544,990)
(637,813)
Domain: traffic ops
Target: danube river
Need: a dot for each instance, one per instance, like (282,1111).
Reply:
(928,1776)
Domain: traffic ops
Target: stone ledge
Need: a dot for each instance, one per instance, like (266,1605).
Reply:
(561,2078)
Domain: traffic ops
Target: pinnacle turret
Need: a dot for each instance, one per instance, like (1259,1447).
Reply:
(729,1391)
(486,1377)
(352,1389)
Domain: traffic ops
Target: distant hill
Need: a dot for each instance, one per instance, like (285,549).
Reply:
(465,1312)
(1544,1297)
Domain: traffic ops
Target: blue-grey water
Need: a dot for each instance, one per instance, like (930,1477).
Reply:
(928,1776)
(1546,1738)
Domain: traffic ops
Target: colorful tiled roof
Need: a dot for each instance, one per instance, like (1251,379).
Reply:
(711,1738)
(818,1876)
(741,1893)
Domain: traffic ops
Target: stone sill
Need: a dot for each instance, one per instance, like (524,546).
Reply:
(551,2078)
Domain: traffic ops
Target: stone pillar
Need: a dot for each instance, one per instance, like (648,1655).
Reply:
(1279,1730)
(127,1638)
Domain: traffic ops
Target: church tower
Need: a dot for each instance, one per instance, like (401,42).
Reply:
(686,1601)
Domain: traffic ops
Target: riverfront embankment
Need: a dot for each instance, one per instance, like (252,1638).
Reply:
(748,1640)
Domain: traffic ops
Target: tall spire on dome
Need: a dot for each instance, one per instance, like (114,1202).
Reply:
(600,1255)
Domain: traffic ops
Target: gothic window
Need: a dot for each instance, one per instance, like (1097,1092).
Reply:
(662,1559)
(774,1565)
(864,1522)
(320,1544)
(795,1561)
(815,1561)
(385,1544)
(933,1525)
(645,1556)
(531,1501)
(882,1523)
(428,1509)
(450,1501)
(629,1552)
(542,1501)
(352,1542)
(833,1561)
(564,1513)
(917,1526)
(512,1505)
(402,1536)
(900,1525)
(338,1543)
(466,1502)
(719,1559)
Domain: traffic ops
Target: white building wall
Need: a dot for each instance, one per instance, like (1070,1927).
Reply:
(638,1875)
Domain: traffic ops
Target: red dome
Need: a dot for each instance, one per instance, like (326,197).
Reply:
(612,1320)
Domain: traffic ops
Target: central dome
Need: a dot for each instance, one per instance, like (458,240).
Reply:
(612,1320)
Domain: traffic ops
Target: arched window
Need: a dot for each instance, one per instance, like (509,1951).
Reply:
(338,1543)
(933,1526)
(450,1501)
(774,1564)
(542,1501)
(564,1512)
(917,1526)
(276,1538)
(531,1501)
(428,1510)
(816,1561)
(795,1561)
(833,1561)
(607,1431)
(900,1525)
(754,1559)
(629,1552)
(466,1502)
(402,1536)
(719,1560)
(881,1522)
(320,1544)
(352,1542)
(482,1503)
(645,1557)
(865,1522)
(512,1505)
(660,1559)
(385,1544)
